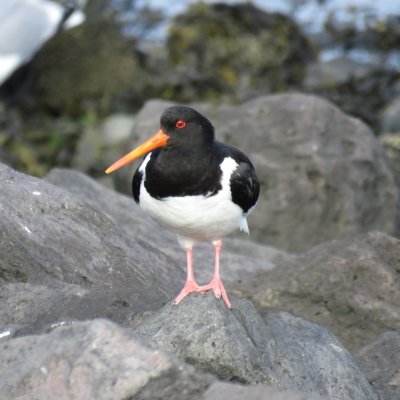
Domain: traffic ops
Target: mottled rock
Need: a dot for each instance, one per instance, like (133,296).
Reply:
(323,174)
(350,285)
(380,361)
(51,237)
(93,360)
(240,345)
(234,51)
(230,391)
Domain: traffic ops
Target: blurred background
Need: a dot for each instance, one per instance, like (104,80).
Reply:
(73,74)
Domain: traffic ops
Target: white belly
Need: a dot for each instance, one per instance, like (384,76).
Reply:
(197,218)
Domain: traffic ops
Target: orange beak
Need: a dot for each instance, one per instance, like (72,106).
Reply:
(158,140)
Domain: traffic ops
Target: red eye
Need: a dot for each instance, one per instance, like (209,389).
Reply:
(180,124)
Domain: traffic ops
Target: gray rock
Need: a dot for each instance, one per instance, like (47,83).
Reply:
(350,285)
(240,345)
(230,391)
(51,237)
(390,117)
(324,175)
(93,360)
(333,72)
(27,309)
(380,361)
(71,249)
(100,144)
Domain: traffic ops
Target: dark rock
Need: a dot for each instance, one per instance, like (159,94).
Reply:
(93,360)
(106,71)
(230,391)
(234,51)
(364,97)
(350,285)
(240,345)
(51,237)
(380,361)
(324,175)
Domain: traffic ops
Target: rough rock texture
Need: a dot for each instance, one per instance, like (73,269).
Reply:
(230,391)
(233,51)
(350,285)
(72,250)
(93,360)
(324,175)
(242,346)
(380,361)
(51,237)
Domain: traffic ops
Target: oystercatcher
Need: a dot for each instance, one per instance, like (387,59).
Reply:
(197,187)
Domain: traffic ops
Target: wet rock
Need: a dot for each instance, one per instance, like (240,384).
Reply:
(241,345)
(380,361)
(96,360)
(323,174)
(351,286)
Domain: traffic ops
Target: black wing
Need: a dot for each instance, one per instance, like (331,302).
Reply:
(137,180)
(245,187)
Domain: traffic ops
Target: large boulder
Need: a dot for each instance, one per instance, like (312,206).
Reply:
(350,285)
(380,361)
(243,346)
(233,51)
(323,174)
(93,360)
(52,238)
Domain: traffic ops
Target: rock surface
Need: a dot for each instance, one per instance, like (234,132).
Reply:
(230,391)
(350,285)
(93,360)
(72,250)
(380,360)
(324,175)
(242,346)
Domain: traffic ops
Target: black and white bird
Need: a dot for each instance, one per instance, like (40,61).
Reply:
(193,185)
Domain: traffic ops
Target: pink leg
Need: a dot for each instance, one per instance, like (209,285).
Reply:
(216,284)
(190,284)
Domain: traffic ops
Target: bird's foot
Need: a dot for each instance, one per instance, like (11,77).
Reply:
(190,286)
(217,287)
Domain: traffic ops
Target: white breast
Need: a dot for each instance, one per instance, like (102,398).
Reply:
(197,218)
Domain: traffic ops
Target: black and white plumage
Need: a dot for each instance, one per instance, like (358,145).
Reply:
(193,185)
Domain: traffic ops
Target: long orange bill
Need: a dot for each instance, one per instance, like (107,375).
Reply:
(158,140)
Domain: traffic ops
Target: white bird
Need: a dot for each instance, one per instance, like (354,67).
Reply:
(25,25)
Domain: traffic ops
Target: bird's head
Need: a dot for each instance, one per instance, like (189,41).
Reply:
(180,126)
